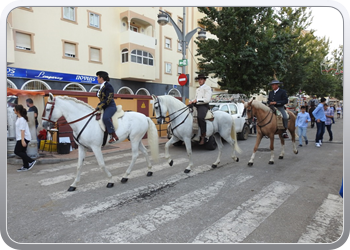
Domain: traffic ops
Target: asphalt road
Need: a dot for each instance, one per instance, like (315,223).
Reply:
(294,200)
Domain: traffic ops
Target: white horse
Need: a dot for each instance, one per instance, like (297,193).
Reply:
(89,134)
(181,121)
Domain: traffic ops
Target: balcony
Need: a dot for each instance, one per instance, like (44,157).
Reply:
(139,39)
(137,72)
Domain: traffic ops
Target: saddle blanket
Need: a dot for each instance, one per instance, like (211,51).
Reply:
(279,118)
(120,113)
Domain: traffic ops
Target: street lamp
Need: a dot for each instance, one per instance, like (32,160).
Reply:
(164,18)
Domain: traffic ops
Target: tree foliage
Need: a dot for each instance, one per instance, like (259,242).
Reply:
(255,45)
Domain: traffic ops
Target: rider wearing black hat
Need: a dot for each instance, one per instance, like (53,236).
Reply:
(106,96)
(203,97)
(278,97)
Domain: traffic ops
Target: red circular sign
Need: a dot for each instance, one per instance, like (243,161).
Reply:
(182,79)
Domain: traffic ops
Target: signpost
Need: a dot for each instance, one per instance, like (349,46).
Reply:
(183,62)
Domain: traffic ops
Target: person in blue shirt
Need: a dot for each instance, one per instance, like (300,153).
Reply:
(301,122)
(320,119)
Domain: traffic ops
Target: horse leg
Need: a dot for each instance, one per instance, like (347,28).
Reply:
(282,145)
(258,140)
(172,140)
(143,149)
(220,146)
(99,157)
(272,150)
(189,154)
(295,150)
(135,154)
(81,156)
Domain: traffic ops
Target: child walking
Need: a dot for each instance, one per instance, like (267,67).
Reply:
(301,122)
(23,137)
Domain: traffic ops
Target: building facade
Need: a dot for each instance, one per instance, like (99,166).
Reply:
(62,48)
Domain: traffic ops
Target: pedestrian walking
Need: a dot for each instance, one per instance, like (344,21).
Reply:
(320,119)
(23,137)
(301,122)
(329,113)
(338,112)
(333,108)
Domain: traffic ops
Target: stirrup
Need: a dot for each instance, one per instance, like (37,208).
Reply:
(113,140)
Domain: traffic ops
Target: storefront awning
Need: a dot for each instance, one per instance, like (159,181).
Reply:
(18,92)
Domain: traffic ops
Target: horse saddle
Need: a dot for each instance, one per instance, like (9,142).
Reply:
(118,114)
(209,116)
(279,118)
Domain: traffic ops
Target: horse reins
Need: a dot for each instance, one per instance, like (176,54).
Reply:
(168,116)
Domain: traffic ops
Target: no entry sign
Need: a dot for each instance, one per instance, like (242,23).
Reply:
(182,79)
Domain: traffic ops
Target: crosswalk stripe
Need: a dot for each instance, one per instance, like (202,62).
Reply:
(87,210)
(101,183)
(142,225)
(239,223)
(327,222)
(86,162)
(113,166)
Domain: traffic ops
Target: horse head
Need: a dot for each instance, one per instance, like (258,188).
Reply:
(159,109)
(50,113)
(248,110)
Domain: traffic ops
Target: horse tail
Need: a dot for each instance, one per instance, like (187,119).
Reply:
(234,137)
(152,136)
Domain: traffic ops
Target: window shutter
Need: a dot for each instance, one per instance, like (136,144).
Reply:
(69,49)
(95,54)
(23,40)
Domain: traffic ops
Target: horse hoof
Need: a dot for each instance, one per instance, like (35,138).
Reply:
(110,185)
(124,180)
(280,157)
(149,173)
(171,163)
(250,164)
(214,166)
(71,189)
(271,162)
(187,171)
(237,159)
(296,152)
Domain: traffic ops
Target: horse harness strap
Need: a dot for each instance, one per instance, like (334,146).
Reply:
(260,126)
(81,131)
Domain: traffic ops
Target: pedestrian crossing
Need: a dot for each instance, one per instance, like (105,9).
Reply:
(234,226)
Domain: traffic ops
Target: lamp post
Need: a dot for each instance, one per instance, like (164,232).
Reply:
(164,18)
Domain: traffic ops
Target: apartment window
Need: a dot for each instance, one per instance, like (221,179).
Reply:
(142,57)
(167,67)
(69,13)
(70,50)
(94,20)
(179,70)
(125,55)
(95,54)
(24,41)
(179,46)
(167,43)
(179,22)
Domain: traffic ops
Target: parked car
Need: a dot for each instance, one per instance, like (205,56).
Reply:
(236,111)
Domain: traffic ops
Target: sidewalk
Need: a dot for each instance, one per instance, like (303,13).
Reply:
(50,158)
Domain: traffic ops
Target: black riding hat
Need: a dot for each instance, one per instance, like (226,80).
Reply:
(201,76)
(275,82)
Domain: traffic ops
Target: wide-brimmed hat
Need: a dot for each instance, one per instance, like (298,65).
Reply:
(275,82)
(201,76)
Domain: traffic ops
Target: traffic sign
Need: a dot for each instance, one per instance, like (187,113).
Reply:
(183,62)
(182,79)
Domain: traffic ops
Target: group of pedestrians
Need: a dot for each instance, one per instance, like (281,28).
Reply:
(324,116)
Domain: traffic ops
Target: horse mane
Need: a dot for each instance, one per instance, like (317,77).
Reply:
(172,101)
(75,100)
(260,105)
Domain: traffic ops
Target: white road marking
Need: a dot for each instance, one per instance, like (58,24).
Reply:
(67,177)
(111,202)
(327,222)
(142,225)
(102,183)
(86,162)
(239,223)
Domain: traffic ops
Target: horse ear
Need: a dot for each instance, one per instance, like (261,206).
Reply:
(51,97)
(154,97)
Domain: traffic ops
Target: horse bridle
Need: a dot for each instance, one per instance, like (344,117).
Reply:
(168,116)
(65,123)
(251,117)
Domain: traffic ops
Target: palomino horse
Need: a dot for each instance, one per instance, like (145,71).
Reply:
(181,121)
(267,126)
(89,134)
